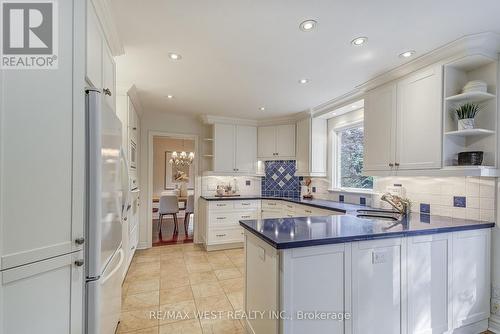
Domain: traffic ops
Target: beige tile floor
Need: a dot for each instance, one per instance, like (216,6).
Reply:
(185,279)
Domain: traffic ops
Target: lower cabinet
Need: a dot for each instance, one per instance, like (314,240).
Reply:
(377,286)
(428,284)
(43,297)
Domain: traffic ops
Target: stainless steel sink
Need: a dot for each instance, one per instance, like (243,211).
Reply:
(379,217)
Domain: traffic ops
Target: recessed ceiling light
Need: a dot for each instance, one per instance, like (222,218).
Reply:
(303,81)
(308,25)
(174,56)
(407,54)
(262,108)
(170,96)
(359,41)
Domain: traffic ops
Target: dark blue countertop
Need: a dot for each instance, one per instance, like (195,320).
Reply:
(317,203)
(296,232)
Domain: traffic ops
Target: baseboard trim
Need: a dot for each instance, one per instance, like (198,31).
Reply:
(494,324)
(232,245)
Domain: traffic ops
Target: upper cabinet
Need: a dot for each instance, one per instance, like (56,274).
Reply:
(276,142)
(403,123)
(234,148)
(312,147)
(100,65)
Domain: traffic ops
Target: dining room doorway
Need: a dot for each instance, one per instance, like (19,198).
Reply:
(173,190)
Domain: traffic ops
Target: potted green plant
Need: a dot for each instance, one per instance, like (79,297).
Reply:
(466,114)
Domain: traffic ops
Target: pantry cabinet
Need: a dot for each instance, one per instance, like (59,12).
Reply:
(403,123)
(276,142)
(311,147)
(235,148)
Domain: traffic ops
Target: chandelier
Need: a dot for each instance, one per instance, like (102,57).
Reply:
(182,158)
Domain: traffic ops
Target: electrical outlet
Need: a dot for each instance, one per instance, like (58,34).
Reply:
(379,257)
(495,292)
(495,306)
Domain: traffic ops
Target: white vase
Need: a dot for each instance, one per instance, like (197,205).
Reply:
(466,123)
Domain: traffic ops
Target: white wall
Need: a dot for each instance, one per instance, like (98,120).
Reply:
(170,123)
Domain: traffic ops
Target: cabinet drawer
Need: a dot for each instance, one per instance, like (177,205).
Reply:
(246,204)
(271,204)
(222,205)
(225,235)
(223,218)
(254,214)
(289,214)
(288,206)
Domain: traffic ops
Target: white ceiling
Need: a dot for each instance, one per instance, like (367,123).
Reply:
(239,55)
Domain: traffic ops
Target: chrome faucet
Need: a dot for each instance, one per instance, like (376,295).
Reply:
(401,205)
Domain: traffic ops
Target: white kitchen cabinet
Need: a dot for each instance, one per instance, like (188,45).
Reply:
(471,277)
(94,48)
(299,266)
(403,124)
(235,148)
(380,128)
(376,286)
(419,120)
(429,283)
(42,161)
(311,147)
(276,142)
(43,297)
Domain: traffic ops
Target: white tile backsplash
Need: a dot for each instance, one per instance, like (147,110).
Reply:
(209,184)
(436,191)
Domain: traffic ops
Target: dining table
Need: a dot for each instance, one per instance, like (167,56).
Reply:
(181,199)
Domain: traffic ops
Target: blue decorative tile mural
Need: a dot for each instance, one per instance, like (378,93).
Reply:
(280,179)
(425,208)
(459,201)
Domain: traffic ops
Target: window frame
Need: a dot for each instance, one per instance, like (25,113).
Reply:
(335,151)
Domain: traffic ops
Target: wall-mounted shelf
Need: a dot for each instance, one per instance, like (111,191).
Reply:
(470,132)
(471,97)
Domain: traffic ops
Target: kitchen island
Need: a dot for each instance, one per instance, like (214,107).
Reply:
(345,274)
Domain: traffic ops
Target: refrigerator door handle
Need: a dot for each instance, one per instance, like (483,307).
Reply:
(126,197)
(115,269)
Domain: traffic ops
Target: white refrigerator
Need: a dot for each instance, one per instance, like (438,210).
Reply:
(106,204)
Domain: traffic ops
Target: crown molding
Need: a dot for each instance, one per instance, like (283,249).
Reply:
(135,99)
(105,16)
(486,43)
(211,119)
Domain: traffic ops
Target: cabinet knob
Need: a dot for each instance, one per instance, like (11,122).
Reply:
(391,164)
(79,241)
(106,91)
(125,218)
(396,164)
(79,263)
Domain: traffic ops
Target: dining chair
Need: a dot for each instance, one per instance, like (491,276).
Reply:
(169,205)
(188,211)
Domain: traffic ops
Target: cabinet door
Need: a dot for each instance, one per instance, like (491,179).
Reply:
(419,121)
(224,135)
(300,266)
(380,128)
(429,279)
(108,71)
(471,277)
(246,149)
(303,146)
(285,140)
(319,141)
(49,292)
(266,142)
(94,48)
(379,263)
(42,136)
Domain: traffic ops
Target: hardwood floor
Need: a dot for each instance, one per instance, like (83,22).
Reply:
(184,280)
(167,231)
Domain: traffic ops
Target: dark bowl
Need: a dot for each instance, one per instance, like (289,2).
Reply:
(474,158)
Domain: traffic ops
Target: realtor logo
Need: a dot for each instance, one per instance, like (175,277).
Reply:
(29,34)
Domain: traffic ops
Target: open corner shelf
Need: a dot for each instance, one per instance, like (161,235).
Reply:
(471,97)
(470,132)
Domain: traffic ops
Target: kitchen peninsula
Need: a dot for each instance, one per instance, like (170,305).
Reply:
(380,275)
